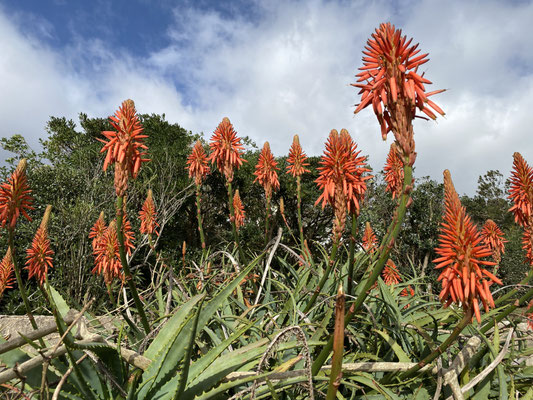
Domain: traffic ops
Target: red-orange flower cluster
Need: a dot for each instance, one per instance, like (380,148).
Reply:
(341,172)
(148,216)
(15,197)
(126,145)
(197,163)
(238,209)
(6,272)
(266,171)
(39,255)
(370,241)
(297,159)
(521,191)
(226,149)
(461,250)
(394,172)
(390,73)
(97,230)
(389,80)
(390,273)
(107,256)
(493,237)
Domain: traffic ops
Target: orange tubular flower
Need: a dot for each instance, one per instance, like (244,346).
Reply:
(97,230)
(390,273)
(6,272)
(521,191)
(394,172)
(370,241)
(265,171)
(148,216)
(493,238)
(107,256)
(461,250)
(129,236)
(389,81)
(527,243)
(296,159)
(341,173)
(39,255)
(126,145)
(239,210)
(15,197)
(226,149)
(197,163)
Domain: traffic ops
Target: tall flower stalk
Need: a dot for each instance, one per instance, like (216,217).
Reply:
(198,170)
(343,184)
(6,272)
(226,154)
(389,81)
(296,167)
(126,150)
(15,200)
(266,174)
(462,254)
(39,255)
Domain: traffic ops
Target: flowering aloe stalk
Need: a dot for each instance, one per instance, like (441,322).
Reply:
(493,237)
(6,272)
(198,170)
(226,153)
(389,81)
(296,167)
(39,255)
(266,174)
(343,184)
(390,273)
(15,200)
(464,280)
(125,148)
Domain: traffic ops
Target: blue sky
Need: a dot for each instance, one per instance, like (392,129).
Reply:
(275,68)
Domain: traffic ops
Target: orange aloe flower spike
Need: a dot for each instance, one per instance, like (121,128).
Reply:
(125,146)
(390,274)
(462,257)
(394,172)
(521,191)
(15,197)
(97,230)
(107,256)
(39,255)
(226,149)
(148,216)
(239,210)
(370,240)
(197,163)
(390,83)
(266,171)
(296,159)
(493,237)
(527,243)
(6,272)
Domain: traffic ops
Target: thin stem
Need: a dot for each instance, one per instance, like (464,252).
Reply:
(299,207)
(267,215)
(351,254)
(20,284)
(199,218)
(467,319)
(383,256)
(125,266)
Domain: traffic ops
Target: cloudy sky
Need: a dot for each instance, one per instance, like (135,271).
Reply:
(275,68)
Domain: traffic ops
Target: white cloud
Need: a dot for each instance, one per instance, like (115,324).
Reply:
(288,71)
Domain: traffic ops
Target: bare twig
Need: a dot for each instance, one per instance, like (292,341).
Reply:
(267,266)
